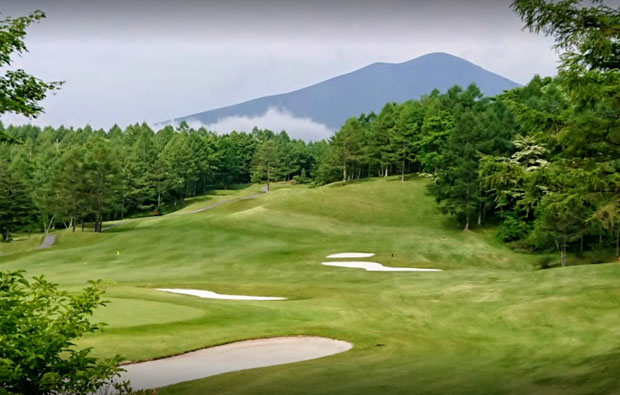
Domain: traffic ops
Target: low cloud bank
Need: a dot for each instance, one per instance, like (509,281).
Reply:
(273,119)
(276,120)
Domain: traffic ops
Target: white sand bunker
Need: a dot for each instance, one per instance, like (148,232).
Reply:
(214,295)
(351,255)
(229,358)
(377,267)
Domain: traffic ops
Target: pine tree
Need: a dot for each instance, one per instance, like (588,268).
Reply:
(404,134)
(44,194)
(101,175)
(16,208)
(264,162)
(457,185)
(70,187)
(380,131)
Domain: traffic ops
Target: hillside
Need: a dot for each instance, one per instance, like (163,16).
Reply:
(488,323)
(332,101)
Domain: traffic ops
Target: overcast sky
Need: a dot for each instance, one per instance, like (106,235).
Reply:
(137,60)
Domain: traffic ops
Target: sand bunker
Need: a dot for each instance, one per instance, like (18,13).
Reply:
(229,358)
(351,255)
(214,295)
(377,267)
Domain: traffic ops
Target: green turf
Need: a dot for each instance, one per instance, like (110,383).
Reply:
(21,243)
(489,323)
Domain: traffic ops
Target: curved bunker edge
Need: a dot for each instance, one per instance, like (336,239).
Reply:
(231,357)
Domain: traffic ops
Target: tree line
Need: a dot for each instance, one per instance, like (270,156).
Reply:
(68,177)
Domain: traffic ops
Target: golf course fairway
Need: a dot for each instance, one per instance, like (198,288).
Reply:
(489,322)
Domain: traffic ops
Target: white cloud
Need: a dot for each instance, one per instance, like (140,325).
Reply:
(273,119)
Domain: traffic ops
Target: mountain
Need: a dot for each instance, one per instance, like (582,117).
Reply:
(332,101)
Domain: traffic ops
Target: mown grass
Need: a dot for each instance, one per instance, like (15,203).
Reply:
(20,243)
(489,323)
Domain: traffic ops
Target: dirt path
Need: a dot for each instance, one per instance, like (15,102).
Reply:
(214,205)
(229,358)
(47,242)
(209,207)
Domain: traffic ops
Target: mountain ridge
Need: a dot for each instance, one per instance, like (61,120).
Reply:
(332,101)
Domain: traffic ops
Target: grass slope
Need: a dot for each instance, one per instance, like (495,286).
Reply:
(489,323)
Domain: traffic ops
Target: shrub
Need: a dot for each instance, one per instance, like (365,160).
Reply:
(512,229)
(545,262)
(38,325)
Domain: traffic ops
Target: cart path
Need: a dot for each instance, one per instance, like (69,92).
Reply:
(214,205)
(47,242)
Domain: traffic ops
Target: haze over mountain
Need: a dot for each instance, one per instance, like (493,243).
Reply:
(314,112)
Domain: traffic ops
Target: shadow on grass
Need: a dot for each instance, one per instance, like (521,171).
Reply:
(124,228)
(337,184)
(408,177)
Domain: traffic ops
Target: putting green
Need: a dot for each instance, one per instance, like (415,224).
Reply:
(122,313)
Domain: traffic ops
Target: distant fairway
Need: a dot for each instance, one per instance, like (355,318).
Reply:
(488,323)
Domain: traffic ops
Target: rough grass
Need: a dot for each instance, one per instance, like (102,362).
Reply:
(489,323)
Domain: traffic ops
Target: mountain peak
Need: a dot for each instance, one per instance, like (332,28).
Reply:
(367,89)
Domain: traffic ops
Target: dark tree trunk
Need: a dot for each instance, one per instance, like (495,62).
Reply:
(480,206)
(618,243)
(563,253)
(98,221)
(466,208)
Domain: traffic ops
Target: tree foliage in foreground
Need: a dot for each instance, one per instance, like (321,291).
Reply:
(20,92)
(38,327)
(587,136)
